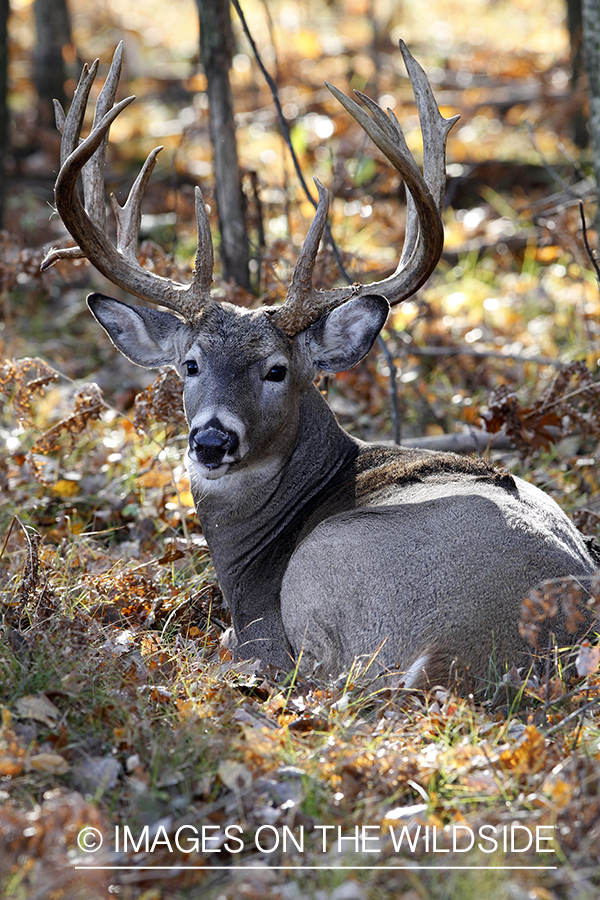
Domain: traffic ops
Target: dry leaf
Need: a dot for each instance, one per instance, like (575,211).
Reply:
(48,763)
(557,788)
(235,775)
(527,754)
(38,707)
(588,659)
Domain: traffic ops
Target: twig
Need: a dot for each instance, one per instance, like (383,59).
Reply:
(578,712)
(548,167)
(479,354)
(389,357)
(575,393)
(589,250)
(579,726)
(8,534)
(473,441)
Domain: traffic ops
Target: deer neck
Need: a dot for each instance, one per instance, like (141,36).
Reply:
(252,536)
(240,521)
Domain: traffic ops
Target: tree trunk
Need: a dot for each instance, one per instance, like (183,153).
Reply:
(53,32)
(591,45)
(575,24)
(216,42)
(4,117)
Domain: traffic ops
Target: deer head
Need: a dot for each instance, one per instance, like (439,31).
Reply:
(314,329)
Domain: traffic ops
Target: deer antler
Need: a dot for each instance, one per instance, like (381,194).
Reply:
(304,304)
(87,222)
(424,235)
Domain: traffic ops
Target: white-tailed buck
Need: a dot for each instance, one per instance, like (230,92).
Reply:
(326,548)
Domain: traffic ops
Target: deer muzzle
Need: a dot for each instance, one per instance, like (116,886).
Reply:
(211,444)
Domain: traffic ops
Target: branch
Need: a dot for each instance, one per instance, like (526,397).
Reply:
(589,250)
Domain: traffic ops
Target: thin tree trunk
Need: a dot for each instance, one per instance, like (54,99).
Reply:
(53,32)
(591,44)
(216,42)
(4,117)
(575,24)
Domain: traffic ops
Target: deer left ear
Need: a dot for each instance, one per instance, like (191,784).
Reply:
(344,336)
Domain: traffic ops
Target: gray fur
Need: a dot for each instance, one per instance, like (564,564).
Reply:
(327,548)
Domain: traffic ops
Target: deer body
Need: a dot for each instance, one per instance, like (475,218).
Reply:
(326,548)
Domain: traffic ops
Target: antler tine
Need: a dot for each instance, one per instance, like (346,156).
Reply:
(69,126)
(205,258)
(304,268)
(93,171)
(87,223)
(303,300)
(435,129)
(424,236)
(129,216)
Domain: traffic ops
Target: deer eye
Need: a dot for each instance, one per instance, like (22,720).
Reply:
(277,373)
(191,366)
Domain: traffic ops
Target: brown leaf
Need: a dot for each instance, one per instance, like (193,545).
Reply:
(48,763)
(29,376)
(39,708)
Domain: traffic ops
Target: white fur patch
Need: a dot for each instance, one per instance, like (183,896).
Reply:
(414,675)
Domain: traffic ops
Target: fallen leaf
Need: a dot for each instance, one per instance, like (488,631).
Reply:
(234,775)
(39,708)
(48,763)
(10,766)
(588,659)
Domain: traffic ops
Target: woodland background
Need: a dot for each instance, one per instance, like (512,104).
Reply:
(118,704)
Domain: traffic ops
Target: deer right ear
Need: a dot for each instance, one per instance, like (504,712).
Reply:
(148,337)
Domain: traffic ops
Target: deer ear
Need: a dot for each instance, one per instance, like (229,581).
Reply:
(344,336)
(148,337)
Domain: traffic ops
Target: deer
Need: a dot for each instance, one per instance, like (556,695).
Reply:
(330,552)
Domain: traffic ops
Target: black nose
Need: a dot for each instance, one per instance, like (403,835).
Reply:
(211,444)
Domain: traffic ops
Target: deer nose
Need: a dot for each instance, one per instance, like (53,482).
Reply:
(211,444)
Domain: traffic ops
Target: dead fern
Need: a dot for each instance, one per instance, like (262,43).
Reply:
(27,377)
(87,406)
(161,401)
(570,405)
